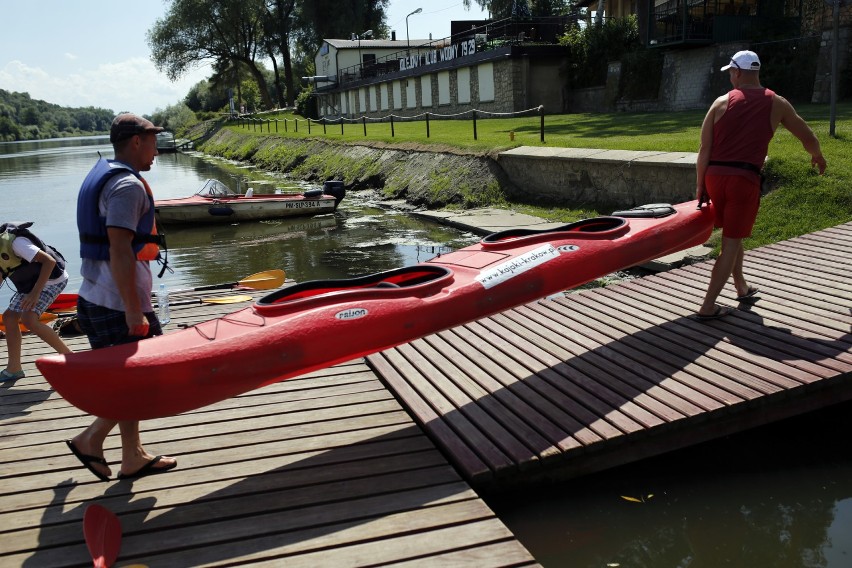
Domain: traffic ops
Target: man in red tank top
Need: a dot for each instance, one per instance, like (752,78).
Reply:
(735,138)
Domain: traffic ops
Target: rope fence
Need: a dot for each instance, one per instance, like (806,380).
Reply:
(255,121)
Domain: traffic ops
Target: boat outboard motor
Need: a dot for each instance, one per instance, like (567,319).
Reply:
(335,188)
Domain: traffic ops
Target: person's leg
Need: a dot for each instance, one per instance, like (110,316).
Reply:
(133,456)
(44,332)
(740,282)
(723,268)
(90,442)
(11,319)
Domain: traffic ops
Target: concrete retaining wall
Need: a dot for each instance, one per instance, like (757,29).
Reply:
(599,178)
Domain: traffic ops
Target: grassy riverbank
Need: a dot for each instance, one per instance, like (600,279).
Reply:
(799,201)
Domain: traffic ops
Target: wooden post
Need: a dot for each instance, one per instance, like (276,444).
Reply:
(276,125)
(541,110)
(427,125)
(392,132)
(474,125)
(296,122)
(364,122)
(309,126)
(323,125)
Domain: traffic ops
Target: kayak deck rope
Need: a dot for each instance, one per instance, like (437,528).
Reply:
(260,321)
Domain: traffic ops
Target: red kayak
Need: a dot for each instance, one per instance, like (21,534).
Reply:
(316,324)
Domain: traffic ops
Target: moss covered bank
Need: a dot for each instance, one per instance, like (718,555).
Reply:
(428,177)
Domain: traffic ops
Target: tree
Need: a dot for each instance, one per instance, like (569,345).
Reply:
(220,30)
(500,9)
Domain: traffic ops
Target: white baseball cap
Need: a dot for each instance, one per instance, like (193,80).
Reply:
(745,60)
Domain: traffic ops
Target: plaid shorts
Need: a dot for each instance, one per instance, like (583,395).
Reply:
(105,327)
(48,295)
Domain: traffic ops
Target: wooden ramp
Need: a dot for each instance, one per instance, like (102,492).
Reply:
(602,377)
(321,470)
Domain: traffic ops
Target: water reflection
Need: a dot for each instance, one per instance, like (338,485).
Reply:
(777,496)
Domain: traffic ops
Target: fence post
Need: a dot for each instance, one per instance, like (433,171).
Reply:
(341,126)
(296,122)
(309,126)
(254,125)
(269,125)
(286,128)
(392,132)
(427,125)
(474,124)
(323,125)
(541,111)
(364,122)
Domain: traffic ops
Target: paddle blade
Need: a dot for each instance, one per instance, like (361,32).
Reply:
(102,530)
(266,280)
(63,303)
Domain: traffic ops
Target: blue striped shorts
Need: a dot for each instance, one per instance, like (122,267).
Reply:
(105,327)
(48,295)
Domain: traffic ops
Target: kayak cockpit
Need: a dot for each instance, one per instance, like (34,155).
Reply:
(423,279)
(597,226)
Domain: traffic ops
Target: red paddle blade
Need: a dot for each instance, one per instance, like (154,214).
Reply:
(63,302)
(102,530)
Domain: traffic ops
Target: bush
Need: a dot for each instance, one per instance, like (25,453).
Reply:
(594,46)
(306,103)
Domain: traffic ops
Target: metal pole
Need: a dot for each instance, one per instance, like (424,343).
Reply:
(427,125)
(364,122)
(541,109)
(392,132)
(835,46)
(474,125)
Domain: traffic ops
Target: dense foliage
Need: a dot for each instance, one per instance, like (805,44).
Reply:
(594,46)
(24,118)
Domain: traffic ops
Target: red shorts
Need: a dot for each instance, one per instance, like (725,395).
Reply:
(736,200)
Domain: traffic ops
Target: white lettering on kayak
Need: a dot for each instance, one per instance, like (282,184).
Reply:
(516,266)
(351,314)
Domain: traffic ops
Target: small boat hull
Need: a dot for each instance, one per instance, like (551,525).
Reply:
(317,324)
(198,209)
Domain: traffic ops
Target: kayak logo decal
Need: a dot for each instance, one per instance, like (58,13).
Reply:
(517,266)
(567,248)
(351,314)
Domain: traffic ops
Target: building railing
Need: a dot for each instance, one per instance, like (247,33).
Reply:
(491,35)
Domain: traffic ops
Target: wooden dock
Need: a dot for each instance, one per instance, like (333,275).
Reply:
(602,377)
(323,470)
(334,468)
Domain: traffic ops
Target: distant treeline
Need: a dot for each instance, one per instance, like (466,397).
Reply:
(23,118)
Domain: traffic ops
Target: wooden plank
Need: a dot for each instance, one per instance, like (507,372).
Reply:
(597,405)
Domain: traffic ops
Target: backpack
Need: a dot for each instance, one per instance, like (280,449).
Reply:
(24,274)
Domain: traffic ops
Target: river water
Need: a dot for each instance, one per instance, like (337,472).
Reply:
(772,497)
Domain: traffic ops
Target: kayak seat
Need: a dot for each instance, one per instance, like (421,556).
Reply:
(410,277)
(593,225)
(654,210)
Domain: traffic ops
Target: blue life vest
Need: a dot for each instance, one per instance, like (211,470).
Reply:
(94,242)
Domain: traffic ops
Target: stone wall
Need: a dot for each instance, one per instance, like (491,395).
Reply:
(582,177)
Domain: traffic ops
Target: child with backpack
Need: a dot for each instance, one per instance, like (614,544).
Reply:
(38,273)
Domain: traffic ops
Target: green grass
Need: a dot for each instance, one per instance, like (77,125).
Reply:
(800,200)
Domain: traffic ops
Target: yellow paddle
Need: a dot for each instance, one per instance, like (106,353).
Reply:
(227,299)
(265,280)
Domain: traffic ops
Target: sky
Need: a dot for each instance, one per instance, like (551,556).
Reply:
(94,52)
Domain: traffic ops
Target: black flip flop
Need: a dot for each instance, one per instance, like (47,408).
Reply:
(148,469)
(88,460)
(719,312)
(750,294)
